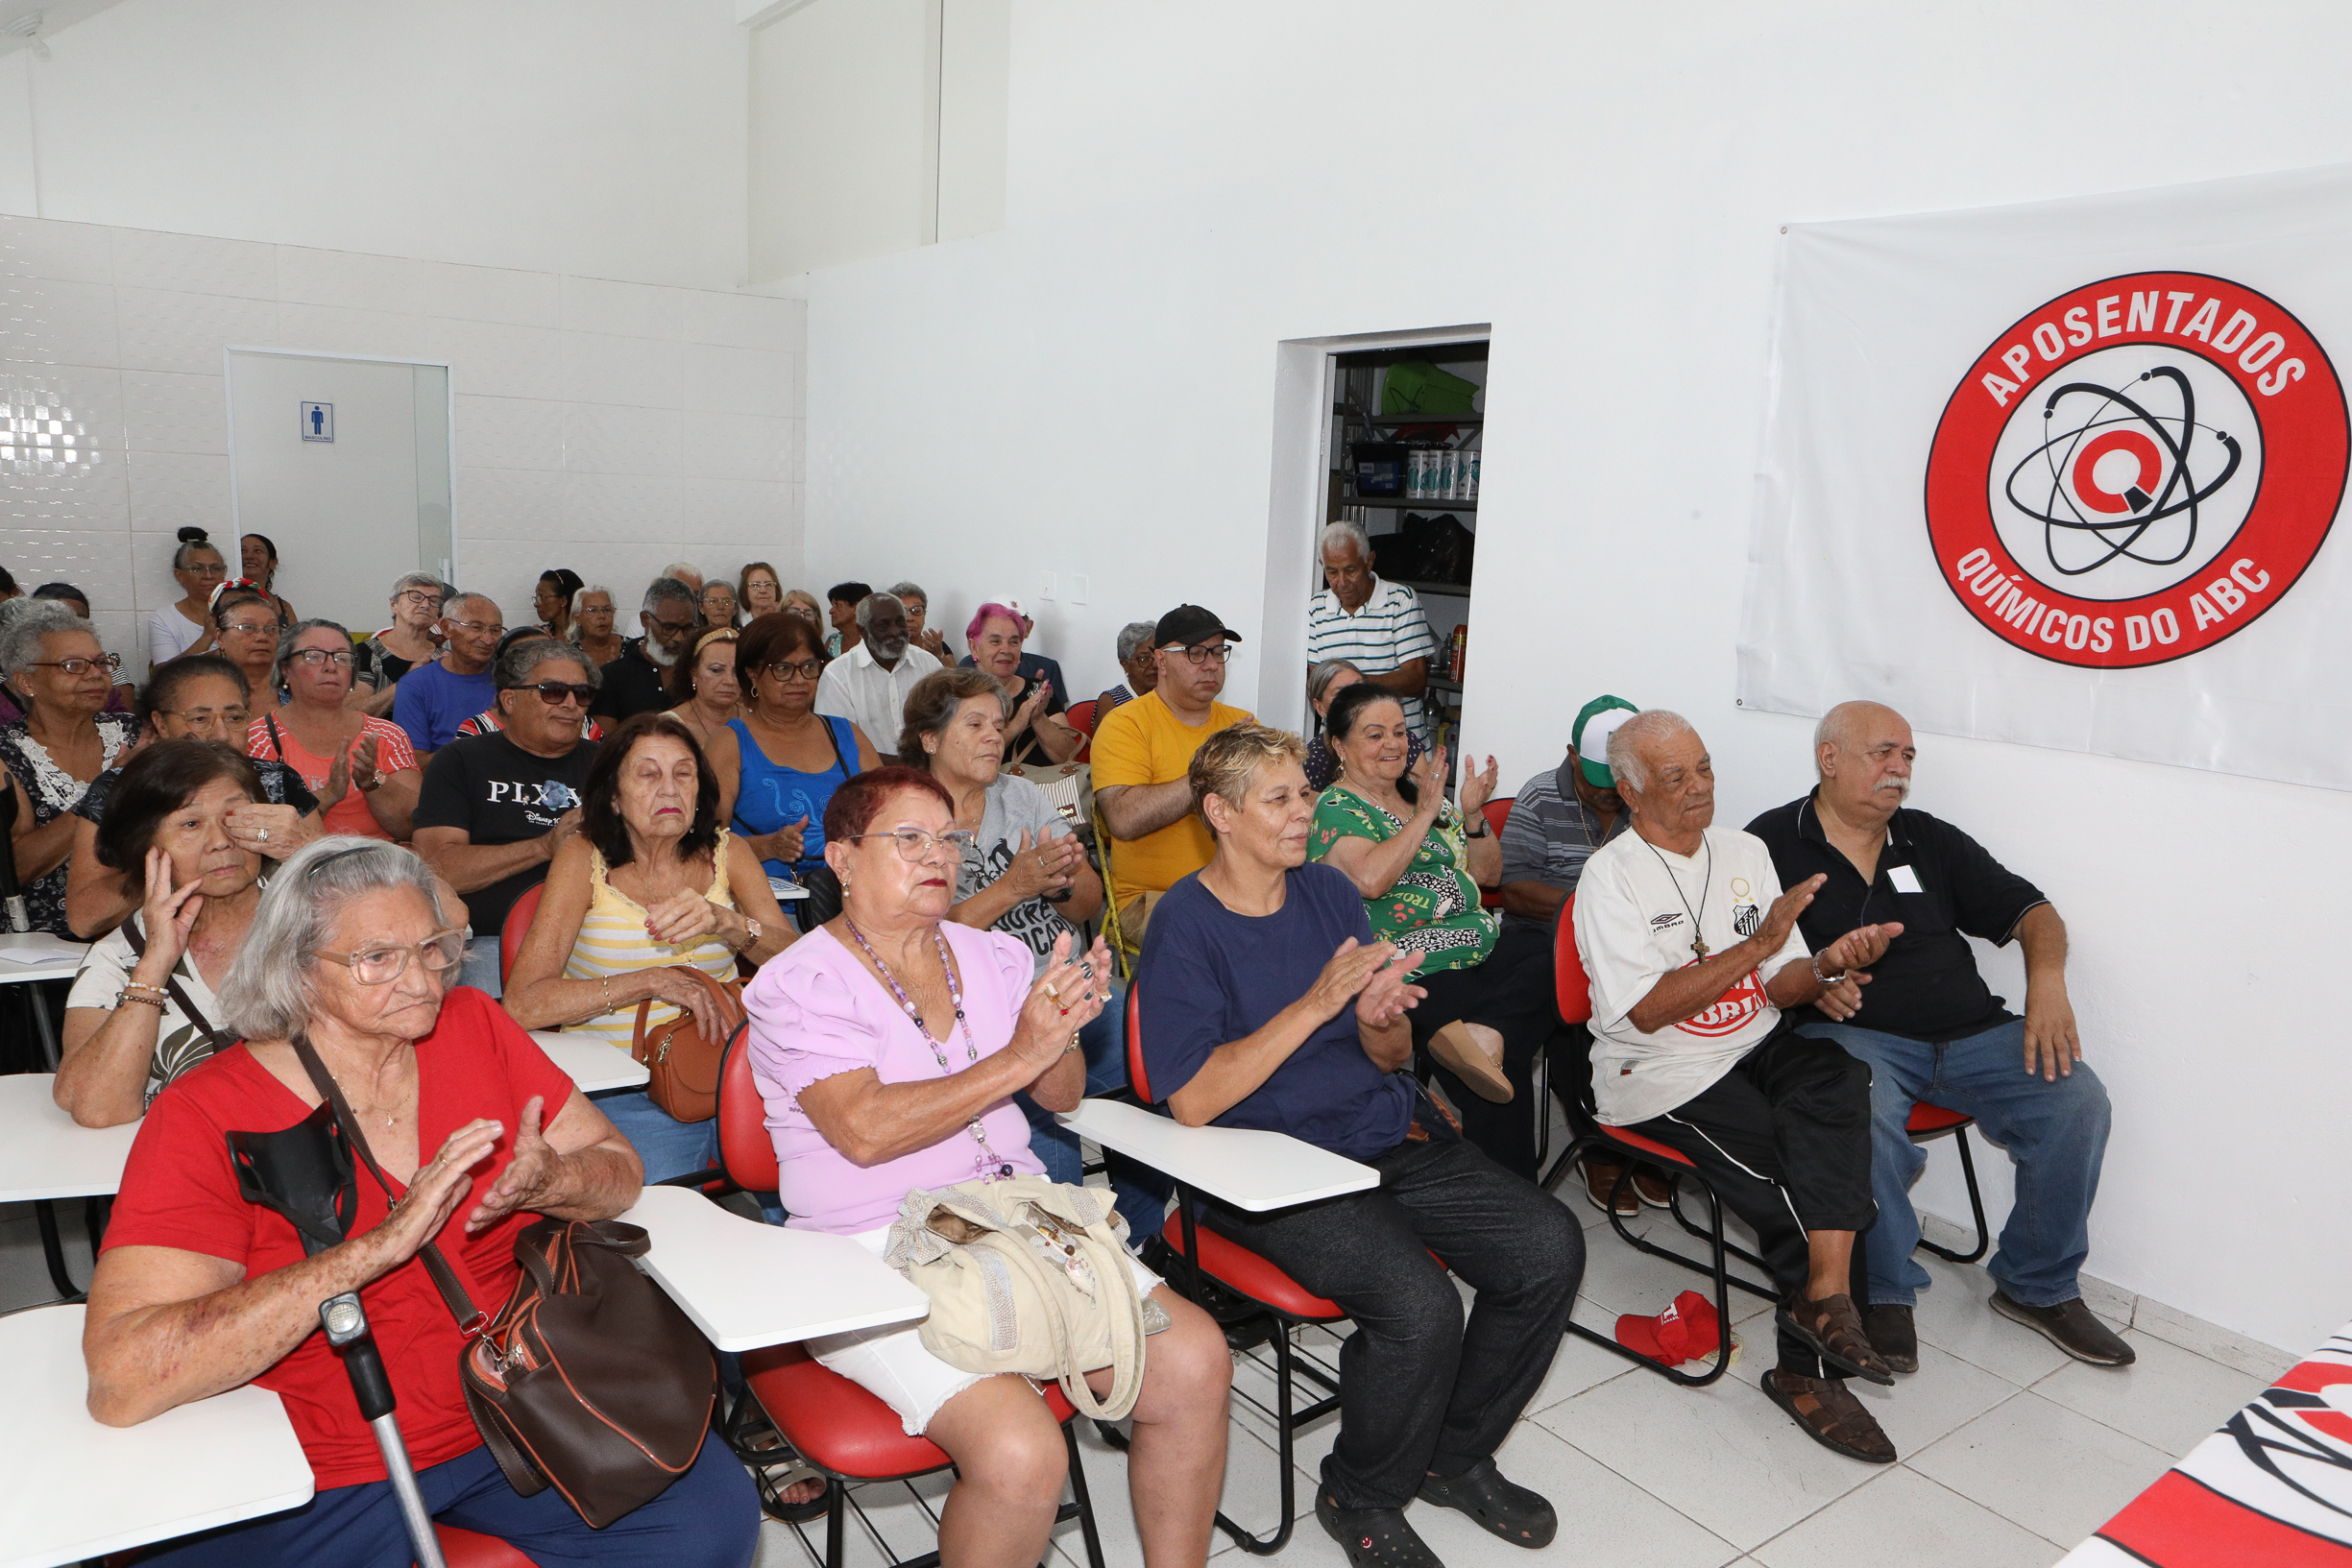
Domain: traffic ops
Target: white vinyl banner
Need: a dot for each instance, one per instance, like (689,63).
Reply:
(2065,474)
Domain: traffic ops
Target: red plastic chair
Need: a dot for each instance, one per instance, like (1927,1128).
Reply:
(1572,988)
(1080,715)
(1929,1123)
(1498,813)
(850,1437)
(518,926)
(1238,1287)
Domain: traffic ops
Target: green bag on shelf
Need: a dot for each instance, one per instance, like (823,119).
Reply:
(1416,388)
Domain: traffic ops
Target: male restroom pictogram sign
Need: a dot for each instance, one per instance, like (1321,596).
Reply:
(318,421)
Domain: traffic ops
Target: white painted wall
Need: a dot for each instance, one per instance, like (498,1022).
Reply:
(598,137)
(608,427)
(1092,390)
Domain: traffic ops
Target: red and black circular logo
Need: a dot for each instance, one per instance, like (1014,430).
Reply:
(2137,470)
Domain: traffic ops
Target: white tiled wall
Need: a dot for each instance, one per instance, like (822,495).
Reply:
(608,427)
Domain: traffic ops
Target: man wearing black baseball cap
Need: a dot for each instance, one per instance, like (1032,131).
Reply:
(1141,752)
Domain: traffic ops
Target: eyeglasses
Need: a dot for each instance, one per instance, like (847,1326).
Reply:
(79,666)
(315,656)
(252,628)
(438,952)
(553,693)
(915,844)
(200,568)
(808,670)
(675,628)
(489,628)
(203,718)
(418,596)
(1205,655)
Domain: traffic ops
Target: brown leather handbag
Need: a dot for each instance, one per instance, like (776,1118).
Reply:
(685,1064)
(590,1378)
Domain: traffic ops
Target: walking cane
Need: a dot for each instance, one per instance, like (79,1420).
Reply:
(304,1174)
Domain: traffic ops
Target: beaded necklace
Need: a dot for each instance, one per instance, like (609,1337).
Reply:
(989,1165)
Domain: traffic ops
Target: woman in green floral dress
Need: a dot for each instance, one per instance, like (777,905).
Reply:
(1419,864)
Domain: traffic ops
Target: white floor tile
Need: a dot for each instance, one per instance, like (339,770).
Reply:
(1944,1395)
(2040,1466)
(1903,1517)
(1604,1517)
(1723,1456)
(1951,1316)
(1251,1498)
(2170,1398)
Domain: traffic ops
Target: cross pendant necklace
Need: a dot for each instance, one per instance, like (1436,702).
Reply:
(1698,941)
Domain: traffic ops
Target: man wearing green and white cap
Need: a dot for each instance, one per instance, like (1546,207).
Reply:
(1564,815)
(1560,817)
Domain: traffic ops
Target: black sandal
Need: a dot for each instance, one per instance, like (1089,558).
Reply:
(1506,1509)
(1373,1537)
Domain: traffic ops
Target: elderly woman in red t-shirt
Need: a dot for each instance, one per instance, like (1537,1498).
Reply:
(199,1292)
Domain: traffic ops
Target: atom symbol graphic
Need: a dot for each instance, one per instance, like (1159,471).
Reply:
(2119,517)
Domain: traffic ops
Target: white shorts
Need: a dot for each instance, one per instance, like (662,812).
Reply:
(893,1364)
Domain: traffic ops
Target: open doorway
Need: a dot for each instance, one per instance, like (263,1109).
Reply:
(1405,451)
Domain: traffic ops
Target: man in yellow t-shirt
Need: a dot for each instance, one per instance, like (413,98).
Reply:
(1141,752)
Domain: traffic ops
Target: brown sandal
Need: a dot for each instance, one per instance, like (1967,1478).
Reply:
(1832,1416)
(1833,1330)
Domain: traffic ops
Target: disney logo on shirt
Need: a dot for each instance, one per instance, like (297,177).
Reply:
(543,803)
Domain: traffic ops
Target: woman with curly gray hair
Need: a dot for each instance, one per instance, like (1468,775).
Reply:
(61,678)
(350,957)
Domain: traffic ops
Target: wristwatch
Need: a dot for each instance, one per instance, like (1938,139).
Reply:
(752,928)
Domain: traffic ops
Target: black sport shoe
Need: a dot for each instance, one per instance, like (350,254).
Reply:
(1505,1508)
(2071,1327)
(1894,1336)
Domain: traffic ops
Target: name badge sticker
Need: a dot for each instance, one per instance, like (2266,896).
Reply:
(1905,878)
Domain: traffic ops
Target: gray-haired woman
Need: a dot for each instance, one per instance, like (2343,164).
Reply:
(61,678)
(408,642)
(332,745)
(198,1291)
(1135,659)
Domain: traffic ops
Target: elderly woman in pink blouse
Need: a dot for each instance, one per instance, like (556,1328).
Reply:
(888,1044)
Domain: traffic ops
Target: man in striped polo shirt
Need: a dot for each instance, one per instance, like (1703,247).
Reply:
(1378,625)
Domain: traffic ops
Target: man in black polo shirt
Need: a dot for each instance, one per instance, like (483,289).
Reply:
(632,684)
(495,809)
(1932,1030)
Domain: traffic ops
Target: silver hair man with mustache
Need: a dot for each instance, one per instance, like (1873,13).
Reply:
(1932,1030)
(868,685)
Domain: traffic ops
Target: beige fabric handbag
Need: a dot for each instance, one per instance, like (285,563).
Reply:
(1030,1276)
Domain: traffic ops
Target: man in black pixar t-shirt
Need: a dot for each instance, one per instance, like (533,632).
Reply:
(1932,1030)
(493,807)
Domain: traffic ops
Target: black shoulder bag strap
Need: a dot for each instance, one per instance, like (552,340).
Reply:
(170,985)
(469,1318)
(276,744)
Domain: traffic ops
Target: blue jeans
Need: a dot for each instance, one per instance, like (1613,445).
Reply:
(708,1518)
(2056,1133)
(669,1147)
(1140,1195)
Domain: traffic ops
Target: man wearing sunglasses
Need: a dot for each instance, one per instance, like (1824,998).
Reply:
(495,807)
(633,682)
(435,698)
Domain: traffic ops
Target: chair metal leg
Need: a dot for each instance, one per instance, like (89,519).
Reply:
(1724,1281)
(1086,1503)
(1975,1207)
(53,1250)
(837,1497)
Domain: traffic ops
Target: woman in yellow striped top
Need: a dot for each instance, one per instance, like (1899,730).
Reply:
(651,884)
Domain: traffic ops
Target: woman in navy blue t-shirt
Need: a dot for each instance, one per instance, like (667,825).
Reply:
(1264,1002)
